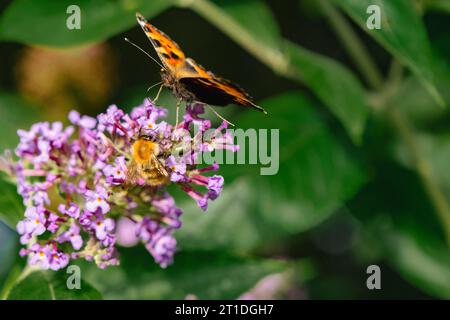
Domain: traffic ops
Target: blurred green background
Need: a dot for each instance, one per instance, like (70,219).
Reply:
(364,141)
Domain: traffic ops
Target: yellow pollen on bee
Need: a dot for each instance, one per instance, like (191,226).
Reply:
(142,150)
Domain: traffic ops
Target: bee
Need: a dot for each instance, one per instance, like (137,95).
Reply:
(144,164)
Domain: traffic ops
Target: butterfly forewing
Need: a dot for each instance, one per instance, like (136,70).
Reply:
(168,51)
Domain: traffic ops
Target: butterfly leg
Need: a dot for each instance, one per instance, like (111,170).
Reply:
(219,116)
(177,112)
(157,95)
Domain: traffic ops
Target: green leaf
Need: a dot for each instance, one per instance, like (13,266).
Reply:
(438,5)
(415,102)
(15,114)
(44,22)
(335,85)
(404,227)
(11,205)
(208,275)
(402,33)
(436,151)
(8,253)
(256,17)
(316,176)
(249,23)
(423,263)
(51,285)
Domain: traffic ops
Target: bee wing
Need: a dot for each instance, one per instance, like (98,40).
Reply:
(157,165)
(132,172)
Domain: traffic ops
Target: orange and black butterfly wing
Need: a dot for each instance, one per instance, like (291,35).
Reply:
(203,84)
(168,51)
(218,91)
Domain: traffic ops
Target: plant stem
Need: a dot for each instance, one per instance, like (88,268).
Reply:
(352,43)
(423,169)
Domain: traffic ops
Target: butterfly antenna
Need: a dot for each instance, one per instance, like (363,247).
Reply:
(219,116)
(145,52)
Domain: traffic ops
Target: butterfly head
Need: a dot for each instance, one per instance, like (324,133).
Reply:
(165,74)
(167,78)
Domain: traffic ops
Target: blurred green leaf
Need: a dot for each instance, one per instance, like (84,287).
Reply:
(51,285)
(44,22)
(11,205)
(396,212)
(402,33)
(316,176)
(256,17)
(8,252)
(415,102)
(15,113)
(424,263)
(436,151)
(208,275)
(438,5)
(335,85)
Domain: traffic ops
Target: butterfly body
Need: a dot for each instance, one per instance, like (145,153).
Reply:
(176,87)
(188,80)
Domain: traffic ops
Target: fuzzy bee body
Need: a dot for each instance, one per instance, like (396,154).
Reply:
(145,165)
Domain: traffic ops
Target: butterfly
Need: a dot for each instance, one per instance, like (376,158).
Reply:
(188,80)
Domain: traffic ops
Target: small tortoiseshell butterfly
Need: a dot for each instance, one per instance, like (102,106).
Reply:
(189,81)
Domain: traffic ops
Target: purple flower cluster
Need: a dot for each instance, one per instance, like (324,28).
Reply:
(75,186)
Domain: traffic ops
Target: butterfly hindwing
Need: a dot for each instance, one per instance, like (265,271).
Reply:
(193,69)
(218,91)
